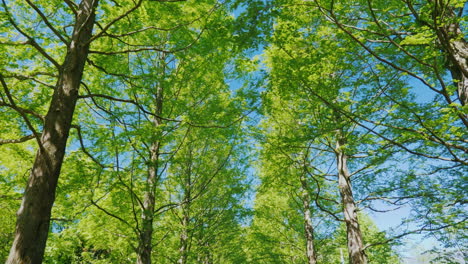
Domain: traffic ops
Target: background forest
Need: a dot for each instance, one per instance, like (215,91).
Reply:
(280,131)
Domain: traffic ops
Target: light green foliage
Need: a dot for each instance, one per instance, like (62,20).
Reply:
(200,128)
(210,194)
(14,170)
(424,37)
(376,73)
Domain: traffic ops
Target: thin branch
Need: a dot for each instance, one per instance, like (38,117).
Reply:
(105,28)
(23,115)
(90,95)
(83,148)
(31,40)
(14,141)
(46,21)
(416,231)
(114,216)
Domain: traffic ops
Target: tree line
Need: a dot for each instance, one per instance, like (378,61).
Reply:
(171,131)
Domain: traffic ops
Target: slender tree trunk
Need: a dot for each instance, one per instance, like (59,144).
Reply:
(147,217)
(183,249)
(184,235)
(354,237)
(33,217)
(308,227)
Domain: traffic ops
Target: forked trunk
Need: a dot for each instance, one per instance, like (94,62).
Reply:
(354,237)
(33,217)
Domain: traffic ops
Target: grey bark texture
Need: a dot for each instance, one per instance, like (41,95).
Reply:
(33,217)
(454,45)
(457,53)
(353,231)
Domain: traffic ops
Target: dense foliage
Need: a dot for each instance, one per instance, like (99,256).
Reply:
(171,131)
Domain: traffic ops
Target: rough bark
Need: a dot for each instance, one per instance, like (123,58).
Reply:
(33,217)
(353,231)
(147,217)
(455,47)
(308,227)
(457,50)
(462,85)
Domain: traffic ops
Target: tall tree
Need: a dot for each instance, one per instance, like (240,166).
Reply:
(159,95)
(140,107)
(315,74)
(424,42)
(55,35)
(354,235)
(209,190)
(32,226)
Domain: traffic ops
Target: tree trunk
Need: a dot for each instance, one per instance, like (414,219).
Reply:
(459,68)
(308,227)
(184,235)
(456,48)
(462,87)
(33,217)
(183,249)
(354,237)
(147,217)
(453,44)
